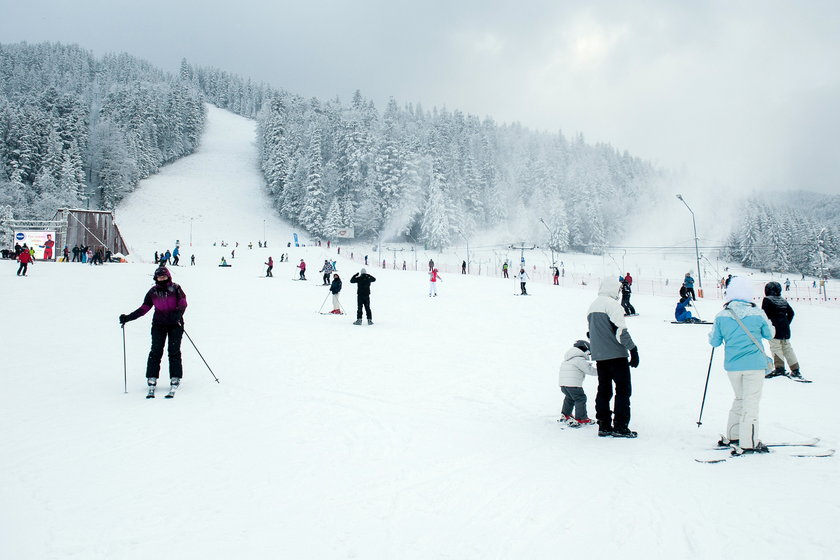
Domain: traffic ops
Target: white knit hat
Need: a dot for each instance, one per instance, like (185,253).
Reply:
(739,288)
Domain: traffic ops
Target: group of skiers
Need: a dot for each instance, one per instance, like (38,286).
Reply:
(168,257)
(740,327)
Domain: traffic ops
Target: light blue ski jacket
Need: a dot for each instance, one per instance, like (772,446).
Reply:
(742,354)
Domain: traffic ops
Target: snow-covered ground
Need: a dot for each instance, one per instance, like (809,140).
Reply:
(431,434)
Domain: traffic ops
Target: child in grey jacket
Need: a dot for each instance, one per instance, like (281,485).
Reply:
(575,366)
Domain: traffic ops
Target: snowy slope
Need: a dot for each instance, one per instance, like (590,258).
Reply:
(430,434)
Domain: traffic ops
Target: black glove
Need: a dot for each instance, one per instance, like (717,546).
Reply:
(634,357)
(123,319)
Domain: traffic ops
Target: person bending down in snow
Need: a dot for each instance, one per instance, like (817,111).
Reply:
(170,303)
(682,314)
(575,367)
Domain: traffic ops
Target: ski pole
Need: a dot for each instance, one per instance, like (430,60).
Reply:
(125,367)
(706,388)
(202,357)
(321,308)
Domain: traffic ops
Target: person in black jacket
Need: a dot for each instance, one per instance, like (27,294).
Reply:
(780,313)
(335,288)
(625,298)
(363,280)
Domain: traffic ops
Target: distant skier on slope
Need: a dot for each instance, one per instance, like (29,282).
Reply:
(363,281)
(626,291)
(270,265)
(302,267)
(327,270)
(609,342)
(434,278)
(170,303)
(523,278)
(25,258)
(688,282)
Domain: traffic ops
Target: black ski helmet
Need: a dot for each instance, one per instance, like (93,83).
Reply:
(581,345)
(773,289)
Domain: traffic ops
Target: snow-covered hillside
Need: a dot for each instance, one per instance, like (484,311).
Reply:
(431,434)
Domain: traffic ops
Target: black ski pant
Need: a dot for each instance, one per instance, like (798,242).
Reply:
(159,336)
(326,278)
(23,266)
(615,371)
(628,307)
(522,287)
(268,273)
(363,300)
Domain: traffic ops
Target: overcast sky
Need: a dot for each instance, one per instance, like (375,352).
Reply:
(743,94)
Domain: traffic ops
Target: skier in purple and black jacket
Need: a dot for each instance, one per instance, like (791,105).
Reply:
(169,302)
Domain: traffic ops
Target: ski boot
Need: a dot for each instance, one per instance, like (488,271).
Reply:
(726,442)
(775,373)
(152,384)
(624,433)
(759,448)
(357,322)
(174,383)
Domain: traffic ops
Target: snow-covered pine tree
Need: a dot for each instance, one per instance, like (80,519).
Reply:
(314,201)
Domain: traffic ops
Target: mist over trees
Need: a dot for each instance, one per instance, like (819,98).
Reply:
(77,131)
(430,175)
(784,232)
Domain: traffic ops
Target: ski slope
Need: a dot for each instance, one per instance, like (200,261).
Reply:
(431,434)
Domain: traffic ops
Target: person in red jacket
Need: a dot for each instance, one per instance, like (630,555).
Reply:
(434,278)
(302,267)
(169,302)
(628,279)
(25,257)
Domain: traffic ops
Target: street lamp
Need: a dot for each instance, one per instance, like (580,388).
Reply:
(696,248)
(468,248)
(549,240)
(822,264)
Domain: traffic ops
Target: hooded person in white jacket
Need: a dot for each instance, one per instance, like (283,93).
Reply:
(572,373)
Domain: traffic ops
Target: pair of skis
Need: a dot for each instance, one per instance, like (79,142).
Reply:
(811,444)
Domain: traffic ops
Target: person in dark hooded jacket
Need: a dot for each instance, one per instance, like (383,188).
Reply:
(780,313)
(169,302)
